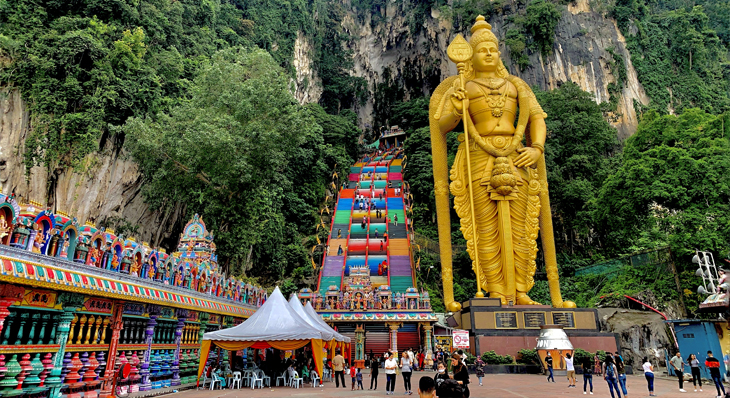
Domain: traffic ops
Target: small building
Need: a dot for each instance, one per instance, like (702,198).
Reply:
(696,336)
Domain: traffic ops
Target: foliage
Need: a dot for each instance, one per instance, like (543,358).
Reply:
(680,60)
(262,200)
(528,357)
(492,358)
(541,19)
(582,356)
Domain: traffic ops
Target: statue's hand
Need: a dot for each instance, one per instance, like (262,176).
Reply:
(459,100)
(528,157)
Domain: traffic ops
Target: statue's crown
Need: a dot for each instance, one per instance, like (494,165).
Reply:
(482,32)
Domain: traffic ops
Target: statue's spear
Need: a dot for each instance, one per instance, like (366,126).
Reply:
(459,51)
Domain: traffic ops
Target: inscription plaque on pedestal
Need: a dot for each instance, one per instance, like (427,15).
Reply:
(566,319)
(533,320)
(505,320)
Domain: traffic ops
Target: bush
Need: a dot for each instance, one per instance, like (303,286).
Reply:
(528,357)
(492,358)
(581,356)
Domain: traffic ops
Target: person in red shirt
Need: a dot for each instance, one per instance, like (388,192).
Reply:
(714,365)
(353,374)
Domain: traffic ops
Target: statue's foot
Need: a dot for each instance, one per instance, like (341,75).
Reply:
(523,299)
(500,296)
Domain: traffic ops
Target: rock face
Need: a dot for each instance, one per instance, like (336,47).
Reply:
(387,50)
(109,187)
(642,333)
(390,51)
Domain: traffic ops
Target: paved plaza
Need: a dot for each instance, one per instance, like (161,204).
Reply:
(495,386)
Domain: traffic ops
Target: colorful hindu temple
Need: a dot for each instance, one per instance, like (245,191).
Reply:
(367,285)
(84,311)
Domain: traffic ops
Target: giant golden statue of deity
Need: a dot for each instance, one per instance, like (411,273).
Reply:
(499,184)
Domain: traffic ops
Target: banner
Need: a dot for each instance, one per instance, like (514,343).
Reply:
(461,339)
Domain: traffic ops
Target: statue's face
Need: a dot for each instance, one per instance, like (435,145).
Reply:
(486,57)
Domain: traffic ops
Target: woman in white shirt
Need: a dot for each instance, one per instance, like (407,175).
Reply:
(571,370)
(390,367)
(649,374)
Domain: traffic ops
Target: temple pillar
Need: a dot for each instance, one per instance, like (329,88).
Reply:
(181,315)
(427,328)
(145,385)
(70,302)
(107,388)
(360,347)
(394,326)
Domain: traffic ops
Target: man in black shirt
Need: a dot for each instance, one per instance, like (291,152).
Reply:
(713,364)
(549,364)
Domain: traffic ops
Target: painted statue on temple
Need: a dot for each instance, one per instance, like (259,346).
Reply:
(4,227)
(499,184)
(39,239)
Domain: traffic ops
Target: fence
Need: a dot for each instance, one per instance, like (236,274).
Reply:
(657,257)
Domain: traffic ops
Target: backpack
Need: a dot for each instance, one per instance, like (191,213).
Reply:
(449,388)
(610,371)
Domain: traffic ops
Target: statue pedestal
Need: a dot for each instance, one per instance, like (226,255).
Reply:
(508,329)
(359,363)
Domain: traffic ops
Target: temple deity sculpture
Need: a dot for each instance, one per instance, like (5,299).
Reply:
(39,239)
(499,184)
(4,228)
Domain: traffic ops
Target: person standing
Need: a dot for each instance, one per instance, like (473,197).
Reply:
(694,365)
(571,370)
(713,364)
(649,374)
(374,370)
(339,250)
(353,375)
(461,374)
(406,364)
(480,370)
(677,364)
(621,367)
(338,363)
(390,366)
(358,376)
(597,361)
(426,388)
(610,374)
(395,219)
(549,365)
(587,375)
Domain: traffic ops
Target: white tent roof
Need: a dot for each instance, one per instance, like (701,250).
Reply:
(315,316)
(275,320)
(327,333)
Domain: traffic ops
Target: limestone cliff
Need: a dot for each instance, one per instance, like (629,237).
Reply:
(642,334)
(109,187)
(386,50)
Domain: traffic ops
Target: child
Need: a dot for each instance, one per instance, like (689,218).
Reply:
(359,379)
(426,388)
(354,377)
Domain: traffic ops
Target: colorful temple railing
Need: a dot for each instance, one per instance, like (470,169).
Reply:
(72,317)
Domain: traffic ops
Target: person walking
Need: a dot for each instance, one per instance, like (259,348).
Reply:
(713,364)
(694,365)
(406,367)
(621,367)
(395,219)
(461,374)
(677,365)
(390,367)
(338,363)
(353,375)
(649,375)
(549,366)
(339,250)
(571,370)
(374,370)
(587,374)
(610,374)
(480,370)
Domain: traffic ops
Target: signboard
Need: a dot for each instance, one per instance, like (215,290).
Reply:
(461,338)
(533,320)
(444,342)
(505,320)
(567,319)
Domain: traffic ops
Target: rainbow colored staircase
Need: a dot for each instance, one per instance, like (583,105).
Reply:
(357,234)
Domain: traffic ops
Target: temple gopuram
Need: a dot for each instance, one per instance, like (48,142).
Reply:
(367,284)
(79,303)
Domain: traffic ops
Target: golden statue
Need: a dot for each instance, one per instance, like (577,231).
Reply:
(4,228)
(500,186)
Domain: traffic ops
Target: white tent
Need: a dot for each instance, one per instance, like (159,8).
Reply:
(328,333)
(315,316)
(275,324)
